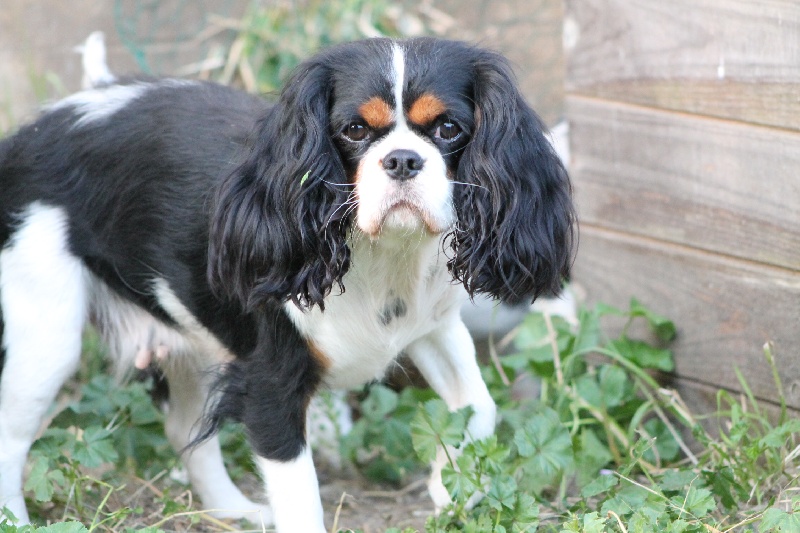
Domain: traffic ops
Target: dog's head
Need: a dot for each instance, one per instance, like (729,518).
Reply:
(395,138)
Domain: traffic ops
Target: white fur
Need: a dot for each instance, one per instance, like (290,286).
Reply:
(38,360)
(99,104)
(293,491)
(398,78)
(43,284)
(351,332)
(446,358)
(186,368)
(421,202)
(400,298)
(93,60)
(359,345)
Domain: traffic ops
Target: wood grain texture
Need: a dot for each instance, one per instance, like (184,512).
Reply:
(716,185)
(725,310)
(737,59)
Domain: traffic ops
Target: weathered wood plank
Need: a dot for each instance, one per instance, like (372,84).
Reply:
(716,185)
(735,59)
(725,309)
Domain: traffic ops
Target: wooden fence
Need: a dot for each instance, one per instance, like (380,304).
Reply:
(685,126)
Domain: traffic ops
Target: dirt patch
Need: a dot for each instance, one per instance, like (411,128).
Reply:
(349,501)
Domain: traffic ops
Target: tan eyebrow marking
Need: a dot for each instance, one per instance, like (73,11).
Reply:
(376,113)
(426,109)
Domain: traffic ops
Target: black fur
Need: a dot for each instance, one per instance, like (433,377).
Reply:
(138,205)
(277,231)
(239,215)
(514,238)
(278,377)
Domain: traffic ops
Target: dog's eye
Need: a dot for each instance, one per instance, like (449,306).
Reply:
(356,132)
(448,131)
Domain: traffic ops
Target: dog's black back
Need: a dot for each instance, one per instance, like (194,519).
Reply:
(202,131)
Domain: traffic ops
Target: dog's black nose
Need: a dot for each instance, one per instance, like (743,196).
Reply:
(403,164)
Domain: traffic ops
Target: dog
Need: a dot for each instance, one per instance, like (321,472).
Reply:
(285,247)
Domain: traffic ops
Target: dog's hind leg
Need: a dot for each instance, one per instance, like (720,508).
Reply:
(204,464)
(43,297)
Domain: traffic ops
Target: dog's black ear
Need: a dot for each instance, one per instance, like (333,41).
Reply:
(514,237)
(278,227)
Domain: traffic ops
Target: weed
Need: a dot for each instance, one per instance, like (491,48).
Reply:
(601,448)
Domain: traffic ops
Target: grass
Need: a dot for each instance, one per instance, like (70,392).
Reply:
(601,448)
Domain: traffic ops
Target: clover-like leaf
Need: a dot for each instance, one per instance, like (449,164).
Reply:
(547,444)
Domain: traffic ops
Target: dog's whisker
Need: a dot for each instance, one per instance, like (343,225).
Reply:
(470,185)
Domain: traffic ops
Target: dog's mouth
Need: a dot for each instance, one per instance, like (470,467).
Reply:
(406,215)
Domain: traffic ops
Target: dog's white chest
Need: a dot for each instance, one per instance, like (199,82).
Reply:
(391,300)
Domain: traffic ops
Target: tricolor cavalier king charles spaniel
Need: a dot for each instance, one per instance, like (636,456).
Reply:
(283,248)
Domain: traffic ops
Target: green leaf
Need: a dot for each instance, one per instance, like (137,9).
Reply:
(599,485)
(459,483)
(43,481)
(593,523)
(545,441)
(95,448)
(643,354)
(491,454)
(533,332)
(775,519)
(698,502)
(435,425)
(615,386)
(665,444)
(677,479)
(526,513)
(591,455)
(483,524)
(777,437)
(588,389)
(628,500)
(724,485)
(644,521)
(636,452)
(7,516)
(502,493)
(380,402)
(588,336)
(662,327)
(305,177)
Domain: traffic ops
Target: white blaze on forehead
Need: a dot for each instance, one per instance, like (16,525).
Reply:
(398,80)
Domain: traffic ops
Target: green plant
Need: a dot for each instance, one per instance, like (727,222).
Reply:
(272,39)
(600,448)
(380,441)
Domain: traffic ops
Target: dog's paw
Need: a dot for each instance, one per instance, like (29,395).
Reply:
(258,514)
(438,493)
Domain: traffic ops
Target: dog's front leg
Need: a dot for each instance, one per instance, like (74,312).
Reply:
(269,391)
(293,492)
(446,358)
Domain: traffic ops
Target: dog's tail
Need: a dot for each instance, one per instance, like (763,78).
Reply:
(93,57)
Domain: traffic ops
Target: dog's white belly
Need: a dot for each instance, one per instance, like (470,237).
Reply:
(135,338)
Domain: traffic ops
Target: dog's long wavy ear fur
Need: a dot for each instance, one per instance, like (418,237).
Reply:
(514,238)
(277,229)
